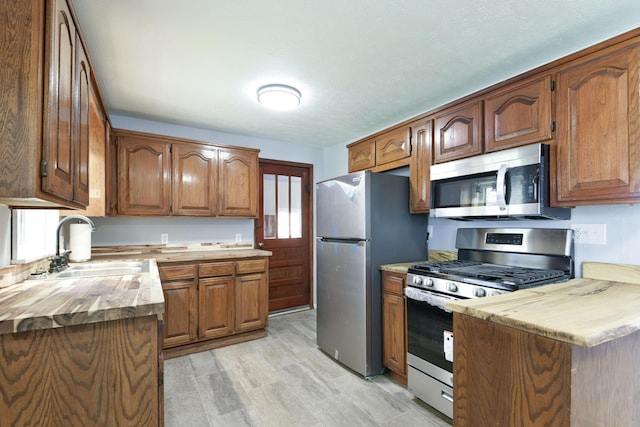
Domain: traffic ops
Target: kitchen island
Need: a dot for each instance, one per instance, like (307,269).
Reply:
(82,351)
(556,355)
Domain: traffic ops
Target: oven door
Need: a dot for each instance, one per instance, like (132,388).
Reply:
(429,331)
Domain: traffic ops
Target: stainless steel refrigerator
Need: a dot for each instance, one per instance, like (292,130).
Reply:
(362,221)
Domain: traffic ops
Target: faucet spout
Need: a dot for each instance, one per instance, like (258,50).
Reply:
(69,218)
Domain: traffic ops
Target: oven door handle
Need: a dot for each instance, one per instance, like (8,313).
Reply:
(428,297)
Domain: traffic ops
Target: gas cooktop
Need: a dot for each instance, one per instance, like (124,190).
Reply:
(487,274)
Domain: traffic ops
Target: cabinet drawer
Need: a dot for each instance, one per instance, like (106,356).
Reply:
(393,282)
(173,272)
(251,266)
(213,269)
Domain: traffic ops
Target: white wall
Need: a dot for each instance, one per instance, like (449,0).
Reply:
(622,233)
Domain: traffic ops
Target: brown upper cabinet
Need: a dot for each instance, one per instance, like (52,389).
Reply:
(158,175)
(386,151)
(419,169)
(518,114)
(458,132)
(45,97)
(598,115)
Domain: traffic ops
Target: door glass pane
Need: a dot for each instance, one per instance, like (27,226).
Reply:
(296,207)
(269,205)
(283,207)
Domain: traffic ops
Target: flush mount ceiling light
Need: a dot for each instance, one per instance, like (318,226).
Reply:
(279,97)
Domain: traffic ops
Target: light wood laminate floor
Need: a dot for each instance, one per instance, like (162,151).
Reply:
(284,380)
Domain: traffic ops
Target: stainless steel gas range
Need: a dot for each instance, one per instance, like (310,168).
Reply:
(491,261)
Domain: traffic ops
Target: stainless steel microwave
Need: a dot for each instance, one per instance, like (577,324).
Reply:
(507,184)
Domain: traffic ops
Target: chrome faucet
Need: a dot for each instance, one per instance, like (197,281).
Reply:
(60,262)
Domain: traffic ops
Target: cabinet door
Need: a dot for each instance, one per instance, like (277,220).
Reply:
(180,312)
(458,132)
(394,323)
(238,183)
(144,176)
(82,128)
(58,144)
(598,128)
(251,302)
(518,115)
(394,333)
(216,307)
(421,140)
(394,145)
(362,155)
(195,180)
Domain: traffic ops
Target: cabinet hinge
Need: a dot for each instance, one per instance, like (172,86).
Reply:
(160,377)
(44,168)
(553,126)
(308,188)
(553,85)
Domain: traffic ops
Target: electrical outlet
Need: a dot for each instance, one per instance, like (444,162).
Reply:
(590,234)
(238,237)
(164,238)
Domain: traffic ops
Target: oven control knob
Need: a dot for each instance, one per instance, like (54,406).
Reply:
(452,287)
(479,293)
(417,280)
(428,282)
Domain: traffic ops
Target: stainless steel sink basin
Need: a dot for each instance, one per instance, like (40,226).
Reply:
(106,268)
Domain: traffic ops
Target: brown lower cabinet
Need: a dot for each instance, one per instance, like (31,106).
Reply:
(508,377)
(106,373)
(209,304)
(394,325)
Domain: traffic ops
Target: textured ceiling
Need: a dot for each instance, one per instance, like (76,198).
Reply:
(361,65)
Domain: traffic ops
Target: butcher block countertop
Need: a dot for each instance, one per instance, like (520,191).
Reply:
(53,303)
(435,255)
(177,253)
(600,307)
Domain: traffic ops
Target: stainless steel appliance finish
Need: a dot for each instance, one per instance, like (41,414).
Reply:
(511,183)
(363,221)
(490,262)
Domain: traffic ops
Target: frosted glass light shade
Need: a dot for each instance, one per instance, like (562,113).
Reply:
(279,97)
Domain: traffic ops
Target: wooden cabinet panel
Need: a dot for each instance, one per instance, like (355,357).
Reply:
(144,171)
(518,115)
(599,128)
(239,184)
(216,307)
(524,379)
(394,325)
(393,145)
(213,269)
(419,170)
(177,271)
(251,302)
(362,155)
(195,180)
(251,266)
(82,84)
(180,312)
(58,147)
(458,132)
(103,373)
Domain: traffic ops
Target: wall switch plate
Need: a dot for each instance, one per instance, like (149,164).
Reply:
(164,238)
(238,237)
(590,234)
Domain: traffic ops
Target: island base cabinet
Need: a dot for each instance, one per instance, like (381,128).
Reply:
(508,377)
(102,374)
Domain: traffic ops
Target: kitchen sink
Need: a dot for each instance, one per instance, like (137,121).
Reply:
(106,268)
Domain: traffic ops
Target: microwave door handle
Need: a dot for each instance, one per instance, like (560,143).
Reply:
(500,187)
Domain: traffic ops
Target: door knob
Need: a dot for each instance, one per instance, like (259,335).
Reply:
(261,245)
